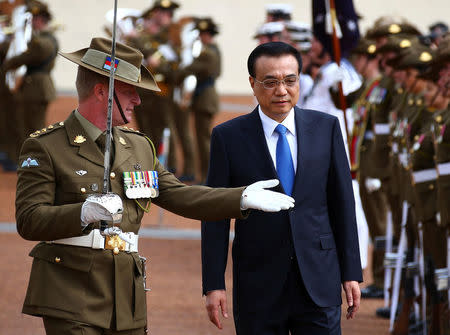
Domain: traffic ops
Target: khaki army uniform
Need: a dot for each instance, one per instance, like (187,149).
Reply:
(423,179)
(11,119)
(155,113)
(374,203)
(37,89)
(442,141)
(60,166)
(205,103)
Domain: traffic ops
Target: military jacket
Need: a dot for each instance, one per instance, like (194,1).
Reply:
(442,142)
(60,166)
(39,58)
(423,172)
(206,68)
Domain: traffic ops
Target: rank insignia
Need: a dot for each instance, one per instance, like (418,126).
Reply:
(29,162)
(141,184)
(81,172)
(122,140)
(79,139)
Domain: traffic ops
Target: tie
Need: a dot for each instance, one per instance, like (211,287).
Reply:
(285,166)
(101,142)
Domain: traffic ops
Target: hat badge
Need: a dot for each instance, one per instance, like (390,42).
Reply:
(425,57)
(203,25)
(165,3)
(79,139)
(394,28)
(405,44)
(371,48)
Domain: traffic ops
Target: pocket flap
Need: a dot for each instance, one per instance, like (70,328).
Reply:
(76,258)
(327,242)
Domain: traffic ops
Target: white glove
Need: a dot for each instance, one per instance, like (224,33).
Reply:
(372,184)
(98,207)
(337,75)
(256,197)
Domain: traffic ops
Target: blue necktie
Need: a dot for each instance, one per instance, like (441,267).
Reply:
(285,166)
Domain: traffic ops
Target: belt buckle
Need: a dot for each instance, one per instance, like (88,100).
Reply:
(115,243)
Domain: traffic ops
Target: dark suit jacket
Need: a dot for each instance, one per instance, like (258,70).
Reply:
(320,230)
(85,284)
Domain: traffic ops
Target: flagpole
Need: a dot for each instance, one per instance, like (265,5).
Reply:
(337,59)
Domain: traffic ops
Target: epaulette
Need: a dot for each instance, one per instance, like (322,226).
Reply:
(47,130)
(131,130)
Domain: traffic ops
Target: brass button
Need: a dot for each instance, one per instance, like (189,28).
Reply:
(83,190)
(416,138)
(112,175)
(431,187)
(116,251)
(438,118)
(411,151)
(57,259)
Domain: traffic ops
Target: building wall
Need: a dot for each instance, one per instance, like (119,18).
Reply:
(238,20)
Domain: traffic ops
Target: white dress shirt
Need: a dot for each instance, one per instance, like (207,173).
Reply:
(271,135)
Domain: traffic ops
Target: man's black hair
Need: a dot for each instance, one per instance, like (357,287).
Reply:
(272,49)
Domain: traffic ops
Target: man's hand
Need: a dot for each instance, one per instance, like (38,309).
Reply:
(216,300)
(98,207)
(256,197)
(353,295)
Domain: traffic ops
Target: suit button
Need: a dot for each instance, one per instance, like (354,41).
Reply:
(112,175)
(57,259)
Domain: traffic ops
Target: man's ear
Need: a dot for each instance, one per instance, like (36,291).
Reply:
(251,81)
(101,92)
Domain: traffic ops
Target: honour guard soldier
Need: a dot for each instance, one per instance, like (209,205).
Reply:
(155,112)
(439,323)
(205,103)
(277,12)
(37,89)
(361,140)
(86,279)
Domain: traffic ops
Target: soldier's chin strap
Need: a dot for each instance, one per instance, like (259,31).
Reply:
(120,108)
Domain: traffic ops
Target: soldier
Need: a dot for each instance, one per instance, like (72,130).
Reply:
(37,89)
(361,140)
(440,314)
(86,279)
(300,36)
(205,103)
(155,112)
(278,12)
(271,32)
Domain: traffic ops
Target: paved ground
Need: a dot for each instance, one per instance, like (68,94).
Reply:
(175,304)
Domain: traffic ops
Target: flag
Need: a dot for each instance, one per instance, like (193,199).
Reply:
(347,29)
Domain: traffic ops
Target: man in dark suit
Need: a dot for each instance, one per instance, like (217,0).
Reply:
(288,267)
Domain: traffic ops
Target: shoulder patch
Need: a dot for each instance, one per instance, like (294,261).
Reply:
(47,130)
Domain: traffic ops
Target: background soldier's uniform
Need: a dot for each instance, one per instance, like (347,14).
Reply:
(155,111)
(37,89)
(88,285)
(205,103)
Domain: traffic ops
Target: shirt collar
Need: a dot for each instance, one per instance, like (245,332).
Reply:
(269,124)
(92,131)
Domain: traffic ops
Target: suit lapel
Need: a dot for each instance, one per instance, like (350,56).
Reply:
(304,146)
(257,145)
(87,148)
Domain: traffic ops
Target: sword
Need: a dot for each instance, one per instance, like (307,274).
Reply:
(107,161)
